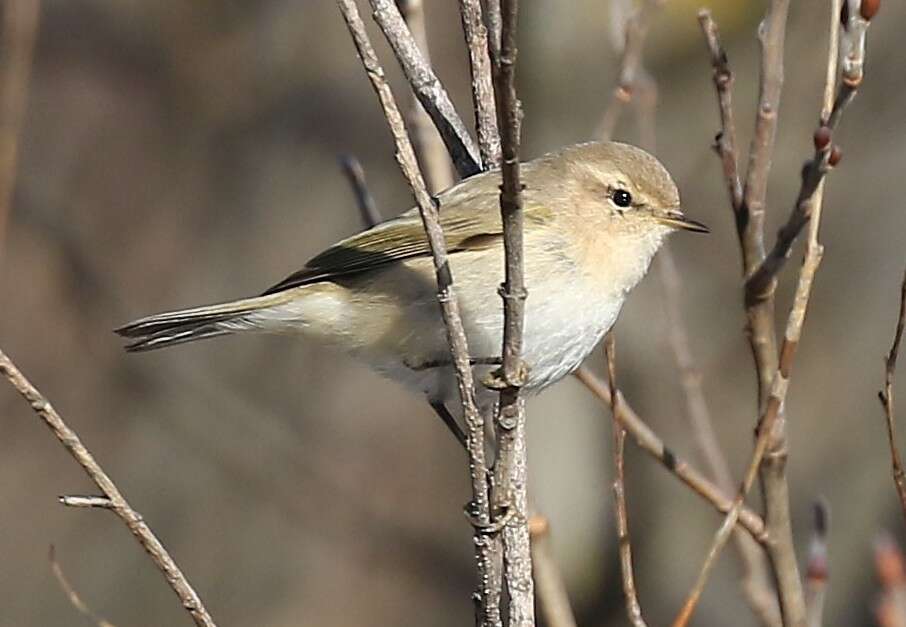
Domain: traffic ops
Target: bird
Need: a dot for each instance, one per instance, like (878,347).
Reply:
(595,214)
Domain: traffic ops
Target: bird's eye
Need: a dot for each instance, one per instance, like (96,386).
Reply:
(621,198)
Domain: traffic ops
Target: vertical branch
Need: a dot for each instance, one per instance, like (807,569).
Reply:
(429,148)
(476,35)
(886,396)
(510,466)
(552,599)
(427,88)
(113,499)
(633,609)
(487,594)
(19,28)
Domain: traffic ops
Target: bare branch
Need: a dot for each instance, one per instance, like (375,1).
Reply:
(636,30)
(99,502)
(886,396)
(427,88)
(487,594)
(817,568)
(725,142)
(71,594)
(552,598)
(649,442)
(633,609)
(353,170)
(119,505)
(20,25)
(510,469)
(482,88)
(429,147)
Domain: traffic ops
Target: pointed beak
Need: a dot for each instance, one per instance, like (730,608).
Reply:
(677,220)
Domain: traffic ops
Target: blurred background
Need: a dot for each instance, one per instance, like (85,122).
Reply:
(182,153)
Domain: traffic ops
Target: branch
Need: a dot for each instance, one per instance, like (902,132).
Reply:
(510,470)
(761,283)
(118,503)
(427,88)
(636,29)
(633,609)
(71,594)
(20,25)
(552,598)
(886,396)
(649,442)
(429,148)
(487,594)
(482,88)
(354,172)
(725,142)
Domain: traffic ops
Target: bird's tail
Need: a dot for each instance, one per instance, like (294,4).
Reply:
(187,325)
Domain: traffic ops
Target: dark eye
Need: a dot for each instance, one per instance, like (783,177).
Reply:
(621,198)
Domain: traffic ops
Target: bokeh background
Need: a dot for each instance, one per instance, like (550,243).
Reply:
(186,152)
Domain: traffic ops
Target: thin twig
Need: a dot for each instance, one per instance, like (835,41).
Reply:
(633,608)
(817,573)
(476,35)
(886,396)
(71,594)
(770,443)
(119,505)
(636,29)
(427,87)
(487,594)
(755,586)
(553,601)
(429,147)
(754,581)
(649,442)
(510,469)
(20,25)
(725,142)
(353,170)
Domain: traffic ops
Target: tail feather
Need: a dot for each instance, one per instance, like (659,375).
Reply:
(187,325)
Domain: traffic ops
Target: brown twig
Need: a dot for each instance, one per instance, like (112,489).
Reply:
(427,88)
(118,503)
(553,601)
(633,608)
(762,282)
(817,573)
(429,148)
(649,442)
(487,594)
(886,396)
(476,35)
(636,29)
(71,594)
(353,170)
(754,583)
(510,471)
(20,25)
(725,142)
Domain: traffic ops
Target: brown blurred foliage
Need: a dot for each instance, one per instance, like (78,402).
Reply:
(181,153)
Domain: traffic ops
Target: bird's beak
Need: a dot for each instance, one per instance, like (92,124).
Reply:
(677,220)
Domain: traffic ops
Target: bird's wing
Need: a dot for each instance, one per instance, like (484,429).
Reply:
(469,216)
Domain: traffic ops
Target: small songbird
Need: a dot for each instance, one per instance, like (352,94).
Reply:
(595,215)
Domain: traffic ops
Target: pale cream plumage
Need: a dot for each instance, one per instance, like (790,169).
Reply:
(373,294)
